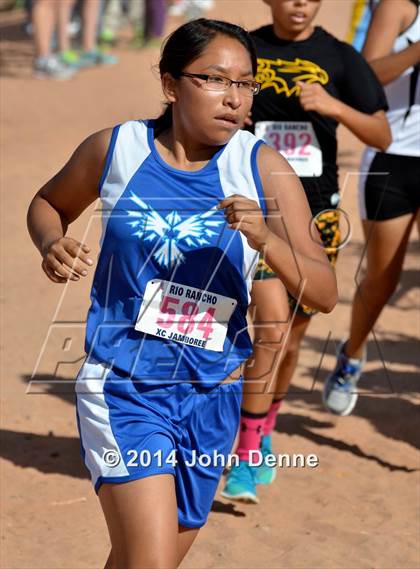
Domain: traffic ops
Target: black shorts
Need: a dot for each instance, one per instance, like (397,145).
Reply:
(392,187)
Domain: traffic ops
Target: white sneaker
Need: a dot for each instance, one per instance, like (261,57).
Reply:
(51,67)
(340,389)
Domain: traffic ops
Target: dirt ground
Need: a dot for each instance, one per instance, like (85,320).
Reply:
(357,509)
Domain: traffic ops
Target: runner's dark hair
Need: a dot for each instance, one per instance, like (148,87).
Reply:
(187,43)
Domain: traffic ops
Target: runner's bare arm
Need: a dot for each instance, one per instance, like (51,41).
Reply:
(390,18)
(286,239)
(373,129)
(59,202)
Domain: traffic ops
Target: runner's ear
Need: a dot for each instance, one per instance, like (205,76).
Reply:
(169,87)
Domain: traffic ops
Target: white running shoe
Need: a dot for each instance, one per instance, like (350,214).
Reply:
(51,67)
(340,389)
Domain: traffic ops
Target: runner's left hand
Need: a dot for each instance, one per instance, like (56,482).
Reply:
(246,216)
(315,98)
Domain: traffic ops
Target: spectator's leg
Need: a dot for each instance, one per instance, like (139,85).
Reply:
(111,21)
(90,20)
(28,5)
(137,13)
(155,18)
(91,54)
(65,8)
(43,18)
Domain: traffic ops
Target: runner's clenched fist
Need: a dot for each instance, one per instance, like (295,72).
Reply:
(315,98)
(246,216)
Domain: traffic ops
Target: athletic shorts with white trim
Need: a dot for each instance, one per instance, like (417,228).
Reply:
(129,430)
(391,188)
(328,225)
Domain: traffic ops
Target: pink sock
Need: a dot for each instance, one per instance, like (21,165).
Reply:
(270,421)
(250,436)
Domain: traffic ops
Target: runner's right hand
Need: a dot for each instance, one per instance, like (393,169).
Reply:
(315,98)
(66,259)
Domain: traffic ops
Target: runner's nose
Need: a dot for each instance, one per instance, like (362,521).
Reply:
(233,96)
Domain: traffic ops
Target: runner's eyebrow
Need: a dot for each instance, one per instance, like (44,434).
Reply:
(225,71)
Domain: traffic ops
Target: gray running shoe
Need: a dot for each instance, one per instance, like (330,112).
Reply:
(340,388)
(52,68)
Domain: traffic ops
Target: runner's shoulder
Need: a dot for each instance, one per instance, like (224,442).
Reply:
(284,185)
(263,32)
(340,48)
(345,51)
(96,145)
(88,160)
(269,161)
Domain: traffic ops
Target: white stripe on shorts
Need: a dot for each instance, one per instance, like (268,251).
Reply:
(95,427)
(365,163)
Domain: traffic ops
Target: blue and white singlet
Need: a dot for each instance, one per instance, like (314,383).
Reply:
(161,225)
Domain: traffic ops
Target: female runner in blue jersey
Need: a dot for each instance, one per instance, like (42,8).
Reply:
(186,204)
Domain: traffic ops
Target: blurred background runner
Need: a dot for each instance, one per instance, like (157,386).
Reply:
(389,190)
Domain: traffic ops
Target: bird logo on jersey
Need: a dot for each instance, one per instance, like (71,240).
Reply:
(172,230)
(274,73)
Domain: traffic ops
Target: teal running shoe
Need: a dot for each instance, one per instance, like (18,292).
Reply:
(265,474)
(96,57)
(240,484)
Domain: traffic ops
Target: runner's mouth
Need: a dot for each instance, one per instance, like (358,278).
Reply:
(298,18)
(233,120)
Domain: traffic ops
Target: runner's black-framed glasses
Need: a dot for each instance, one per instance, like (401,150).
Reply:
(220,83)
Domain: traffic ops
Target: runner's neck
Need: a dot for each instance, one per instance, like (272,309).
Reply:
(283,34)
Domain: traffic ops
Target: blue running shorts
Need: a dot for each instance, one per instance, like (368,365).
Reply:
(130,430)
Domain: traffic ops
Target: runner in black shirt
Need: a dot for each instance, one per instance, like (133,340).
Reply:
(310,82)
(330,67)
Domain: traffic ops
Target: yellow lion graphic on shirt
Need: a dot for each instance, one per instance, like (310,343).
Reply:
(301,69)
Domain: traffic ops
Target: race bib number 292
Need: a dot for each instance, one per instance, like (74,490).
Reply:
(185,314)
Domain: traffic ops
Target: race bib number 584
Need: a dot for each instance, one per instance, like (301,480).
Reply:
(185,314)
